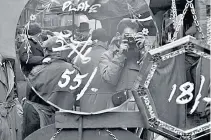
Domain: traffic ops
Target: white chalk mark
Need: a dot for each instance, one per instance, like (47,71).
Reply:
(198,97)
(65,76)
(82,49)
(94,89)
(65,35)
(63,48)
(182,99)
(207,99)
(87,84)
(74,41)
(145,19)
(83,58)
(78,79)
(55,1)
(77,45)
(82,6)
(60,40)
(85,54)
(70,46)
(47,7)
(174,87)
(72,52)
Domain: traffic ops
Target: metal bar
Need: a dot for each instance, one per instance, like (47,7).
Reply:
(163,134)
(141,109)
(105,120)
(172,45)
(80,128)
(202,135)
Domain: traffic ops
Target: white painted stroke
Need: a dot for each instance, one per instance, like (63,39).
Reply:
(174,87)
(87,84)
(198,97)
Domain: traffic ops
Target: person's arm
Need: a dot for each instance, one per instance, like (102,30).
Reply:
(111,66)
(24,56)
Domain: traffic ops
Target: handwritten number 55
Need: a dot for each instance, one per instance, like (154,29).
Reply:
(66,76)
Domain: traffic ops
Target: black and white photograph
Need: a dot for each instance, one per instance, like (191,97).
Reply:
(105,70)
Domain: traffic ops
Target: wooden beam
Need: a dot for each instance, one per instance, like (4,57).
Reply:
(105,120)
(80,128)
(47,132)
(171,45)
(141,108)
(177,43)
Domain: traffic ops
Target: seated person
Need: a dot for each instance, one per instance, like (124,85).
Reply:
(54,83)
(97,97)
(60,74)
(31,52)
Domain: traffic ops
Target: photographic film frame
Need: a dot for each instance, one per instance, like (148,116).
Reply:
(10,23)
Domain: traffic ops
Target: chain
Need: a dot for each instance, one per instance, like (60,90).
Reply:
(174,12)
(209,31)
(54,136)
(178,25)
(111,134)
(196,20)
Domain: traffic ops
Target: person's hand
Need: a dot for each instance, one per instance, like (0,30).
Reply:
(123,49)
(46,60)
(140,39)
(116,40)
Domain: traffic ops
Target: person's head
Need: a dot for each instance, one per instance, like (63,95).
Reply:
(100,35)
(84,28)
(127,32)
(35,31)
(127,26)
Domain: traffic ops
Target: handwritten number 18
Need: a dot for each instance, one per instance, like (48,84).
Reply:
(186,96)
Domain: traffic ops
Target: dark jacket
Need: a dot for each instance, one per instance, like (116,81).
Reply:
(119,70)
(31,58)
(46,78)
(36,116)
(10,108)
(100,99)
(7,82)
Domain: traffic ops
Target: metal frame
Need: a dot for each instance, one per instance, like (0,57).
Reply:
(181,46)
